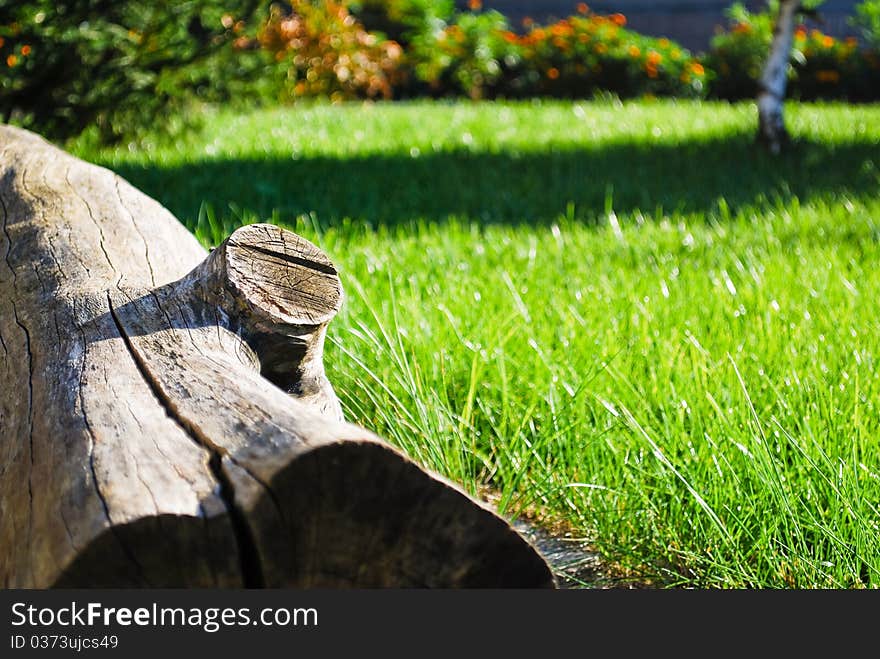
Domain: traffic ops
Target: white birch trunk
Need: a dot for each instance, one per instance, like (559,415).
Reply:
(771,123)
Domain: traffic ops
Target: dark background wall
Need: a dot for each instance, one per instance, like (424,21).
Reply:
(691,22)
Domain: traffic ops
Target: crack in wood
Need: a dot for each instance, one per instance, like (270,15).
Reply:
(7,257)
(137,229)
(249,559)
(30,361)
(249,555)
(91,217)
(220,325)
(290,258)
(129,554)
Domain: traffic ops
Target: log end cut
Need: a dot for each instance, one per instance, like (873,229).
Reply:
(359,514)
(282,278)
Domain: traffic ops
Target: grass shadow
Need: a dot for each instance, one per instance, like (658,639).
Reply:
(508,187)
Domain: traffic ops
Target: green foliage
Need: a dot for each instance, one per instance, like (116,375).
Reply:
(867,18)
(470,56)
(737,56)
(402,20)
(114,65)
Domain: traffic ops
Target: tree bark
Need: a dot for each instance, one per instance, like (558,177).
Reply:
(771,97)
(165,419)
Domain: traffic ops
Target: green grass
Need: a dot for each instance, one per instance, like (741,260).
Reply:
(623,319)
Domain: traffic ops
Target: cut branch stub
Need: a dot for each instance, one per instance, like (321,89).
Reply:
(318,502)
(278,291)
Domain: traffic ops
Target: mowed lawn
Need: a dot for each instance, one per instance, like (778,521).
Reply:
(621,320)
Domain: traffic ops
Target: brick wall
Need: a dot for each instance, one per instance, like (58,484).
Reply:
(691,22)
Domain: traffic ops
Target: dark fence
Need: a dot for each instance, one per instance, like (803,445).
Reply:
(691,22)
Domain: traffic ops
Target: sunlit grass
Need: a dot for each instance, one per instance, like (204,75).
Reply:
(634,325)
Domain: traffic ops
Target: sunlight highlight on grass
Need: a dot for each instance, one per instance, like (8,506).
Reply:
(622,319)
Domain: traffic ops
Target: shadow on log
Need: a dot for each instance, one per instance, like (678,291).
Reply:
(165,419)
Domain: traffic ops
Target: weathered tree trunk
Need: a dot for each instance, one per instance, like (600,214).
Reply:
(165,419)
(771,97)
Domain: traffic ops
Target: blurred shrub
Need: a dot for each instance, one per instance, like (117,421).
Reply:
(322,50)
(472,56)
(480,56)
(119,66)
(736,56)
(115,65)
(401,20)
(829,68)
(822,67)
(582,55)
(867,19)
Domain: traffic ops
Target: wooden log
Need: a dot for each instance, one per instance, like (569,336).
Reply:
(165,418)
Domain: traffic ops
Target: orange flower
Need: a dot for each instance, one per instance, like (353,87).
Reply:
(651,70)
(25,50)
(800,34)
(509,37)
(582,8)
(528,22)
(475,5)
(601,48)
(698,69)
(2,41)
(654,58)
(618,19)
(663,42)
(562,28)
(828,41)
(634,51)
(553,73)
(11,61)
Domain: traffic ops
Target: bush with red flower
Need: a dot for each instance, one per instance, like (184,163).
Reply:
(481,56)
(581,55)
(829,68)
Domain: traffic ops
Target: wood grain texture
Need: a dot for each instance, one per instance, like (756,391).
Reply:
(165,418)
